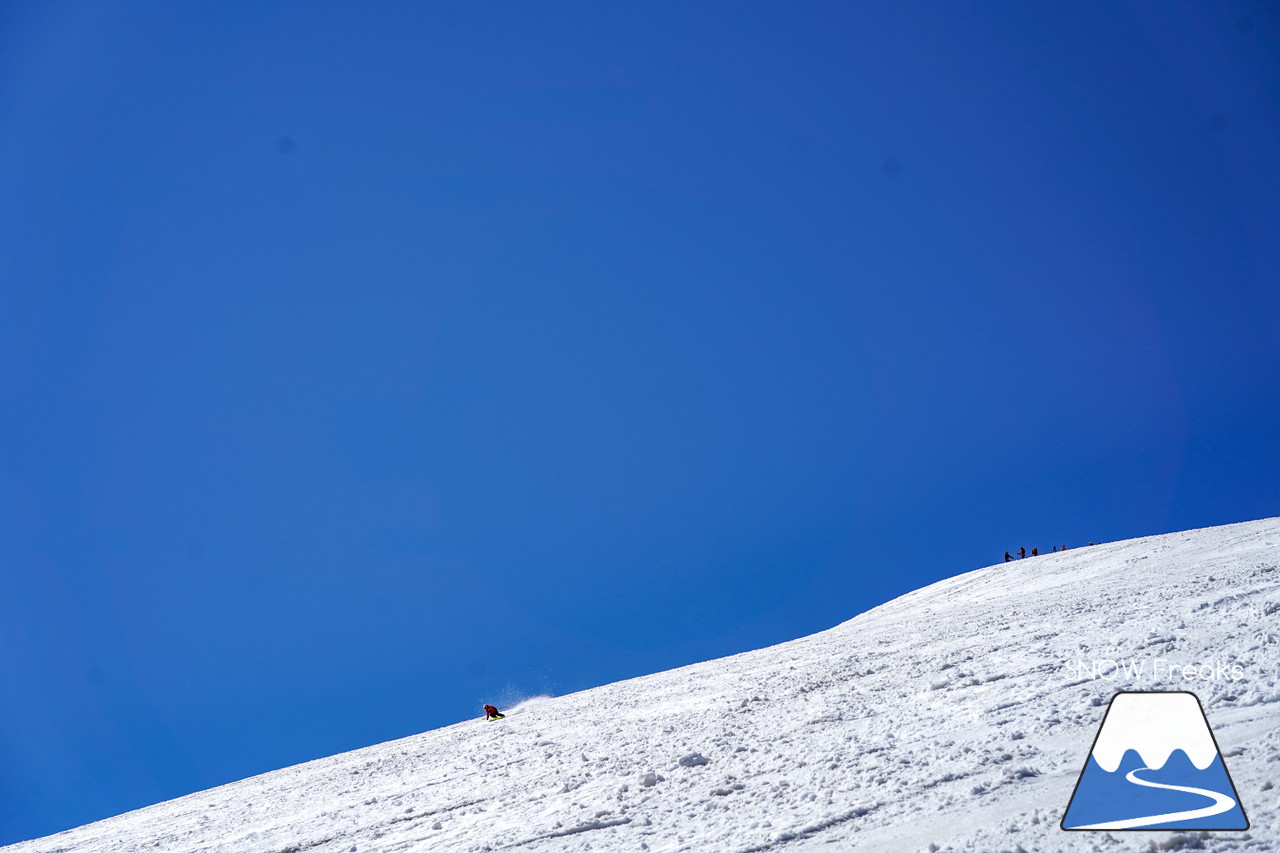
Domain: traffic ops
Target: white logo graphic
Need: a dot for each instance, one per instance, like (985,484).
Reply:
(1155,765)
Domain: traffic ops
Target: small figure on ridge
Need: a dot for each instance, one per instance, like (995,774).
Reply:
(491,713)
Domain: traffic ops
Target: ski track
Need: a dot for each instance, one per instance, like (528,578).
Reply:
(943,720)
(1221,803)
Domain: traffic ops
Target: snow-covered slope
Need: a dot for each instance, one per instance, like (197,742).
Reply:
(956,717)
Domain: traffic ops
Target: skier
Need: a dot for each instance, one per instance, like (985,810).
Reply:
(491,713)
(1055,549)
(1035,552)
(1007,558)
(1022,552)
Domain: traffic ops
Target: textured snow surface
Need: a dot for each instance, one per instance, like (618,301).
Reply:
(956,717)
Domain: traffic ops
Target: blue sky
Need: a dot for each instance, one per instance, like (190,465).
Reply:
(363,363)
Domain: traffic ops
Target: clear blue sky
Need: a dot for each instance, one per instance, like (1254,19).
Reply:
(361,363)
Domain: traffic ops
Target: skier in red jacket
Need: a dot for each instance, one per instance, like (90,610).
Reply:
(491,713)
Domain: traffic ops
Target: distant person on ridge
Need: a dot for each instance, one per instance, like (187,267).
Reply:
(1035,552)
(1007,558)
(1022,552)
(1055,549)
(491,713)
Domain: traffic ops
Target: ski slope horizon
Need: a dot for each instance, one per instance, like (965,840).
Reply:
(955,717)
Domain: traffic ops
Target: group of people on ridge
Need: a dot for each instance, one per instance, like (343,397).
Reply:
(1035,552)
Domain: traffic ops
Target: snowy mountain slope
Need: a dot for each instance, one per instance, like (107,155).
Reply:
(956,717)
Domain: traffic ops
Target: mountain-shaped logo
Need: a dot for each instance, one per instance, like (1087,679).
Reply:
(1155,765)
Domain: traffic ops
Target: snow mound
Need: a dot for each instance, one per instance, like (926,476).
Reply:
(957,717)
